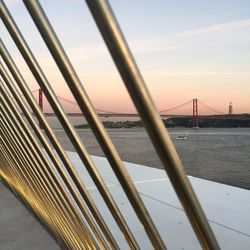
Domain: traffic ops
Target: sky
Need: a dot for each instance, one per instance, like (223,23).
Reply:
(184,49)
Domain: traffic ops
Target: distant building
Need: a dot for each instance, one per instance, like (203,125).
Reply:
(230,109)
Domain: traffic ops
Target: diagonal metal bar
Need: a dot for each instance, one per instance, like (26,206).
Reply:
(70,229)
(58,217)
(44,84)
(23,186)
(97,177)
(54,159)
(70,211)
(36,70)
(133,80)
(87,108)
(45,207)
(47,147)
(19,166)
(127,67)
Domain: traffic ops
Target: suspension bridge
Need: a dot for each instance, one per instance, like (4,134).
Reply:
(194,109)
(72,108)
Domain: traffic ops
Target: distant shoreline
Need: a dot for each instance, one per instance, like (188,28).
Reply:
(118,124)
(179,122)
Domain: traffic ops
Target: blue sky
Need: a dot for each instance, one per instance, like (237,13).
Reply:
(185,49)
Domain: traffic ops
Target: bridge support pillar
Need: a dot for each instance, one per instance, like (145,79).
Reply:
(40,102)
(195,113)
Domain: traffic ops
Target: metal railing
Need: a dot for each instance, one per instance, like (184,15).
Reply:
(75,219)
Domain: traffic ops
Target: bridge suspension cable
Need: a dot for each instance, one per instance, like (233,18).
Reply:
(176,107)
(210,108)
(97,109)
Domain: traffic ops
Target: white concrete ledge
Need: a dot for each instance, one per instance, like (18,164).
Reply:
(227,207)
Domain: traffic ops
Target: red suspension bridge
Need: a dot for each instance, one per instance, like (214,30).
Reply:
(198,109)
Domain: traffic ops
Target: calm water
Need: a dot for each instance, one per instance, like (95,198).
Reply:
(217,154)
(221,155)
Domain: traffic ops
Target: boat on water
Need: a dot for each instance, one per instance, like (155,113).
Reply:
(182,137)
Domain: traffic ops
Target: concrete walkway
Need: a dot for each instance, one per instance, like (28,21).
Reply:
(19,230)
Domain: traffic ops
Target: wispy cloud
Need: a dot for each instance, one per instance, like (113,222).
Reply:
(229,26)
(224,33)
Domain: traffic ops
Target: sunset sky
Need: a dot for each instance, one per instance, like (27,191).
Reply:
(184,49)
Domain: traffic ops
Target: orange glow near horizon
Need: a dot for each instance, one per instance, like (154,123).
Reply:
(168,89)
(204,58)
(107,91)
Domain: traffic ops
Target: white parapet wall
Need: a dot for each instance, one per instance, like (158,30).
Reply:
(227,208)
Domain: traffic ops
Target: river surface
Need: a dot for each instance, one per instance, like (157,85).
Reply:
(217,154)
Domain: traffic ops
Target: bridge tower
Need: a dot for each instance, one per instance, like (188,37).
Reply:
(40,98)
(195,113)
(40,102)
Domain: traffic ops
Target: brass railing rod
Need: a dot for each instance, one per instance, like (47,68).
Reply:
(41,209)
(68,230)
(32,122)
(9,173)
(60,186)
(39,154)
(64,204)
(36,109)
(19,181)
(61,220)
(55,104)
(56,163)
(133,80)
(36,184)
(13,178)
(12,170)
(19,118)
(48,212)
(67,224)
(96,125)
(3,136)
